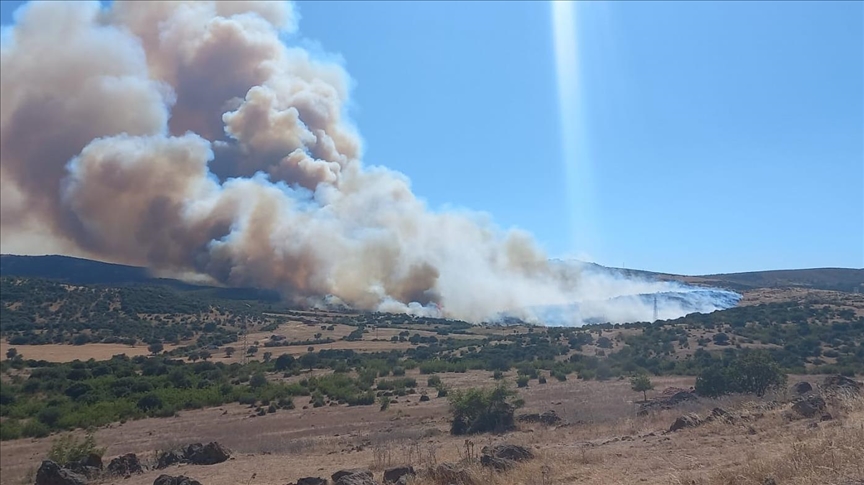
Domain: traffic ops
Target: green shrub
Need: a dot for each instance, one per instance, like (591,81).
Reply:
(68,448)
(482,410)
(10,429)
(35,429)
(522,381)
(433,381)
(398,371)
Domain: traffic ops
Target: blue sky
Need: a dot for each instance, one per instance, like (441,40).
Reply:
(718,137)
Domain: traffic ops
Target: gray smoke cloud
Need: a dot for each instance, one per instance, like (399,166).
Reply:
(188,138)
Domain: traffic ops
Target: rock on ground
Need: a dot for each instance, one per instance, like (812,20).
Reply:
(355,476)
(686,421)
(549,418)
(125,465)
(808,407)
(452,475)
(168,458)
(209,454)
(802,387)
(312,481)
(51,473)
(504,457)
(178,480)
(508,452)
(394,475)
(841,383)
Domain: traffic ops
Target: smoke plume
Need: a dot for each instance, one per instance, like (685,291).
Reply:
(187,137)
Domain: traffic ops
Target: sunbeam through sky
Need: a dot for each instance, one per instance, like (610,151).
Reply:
(574,152)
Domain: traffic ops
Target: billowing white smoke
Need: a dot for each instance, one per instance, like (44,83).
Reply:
(186,137)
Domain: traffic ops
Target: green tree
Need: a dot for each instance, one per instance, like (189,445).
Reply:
(229,351)
(284,362)
(257,380)
(641,383)
(155,348)
(11,353)
(309,360)
(712,382)
(756,373)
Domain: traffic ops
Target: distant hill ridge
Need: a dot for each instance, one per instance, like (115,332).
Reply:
(86,271)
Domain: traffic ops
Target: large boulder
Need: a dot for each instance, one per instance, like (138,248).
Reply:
(398,474)
(350,471)
(50,473)
(126,465)
(802,387)
(178,480)
(209,454)
(686,421)
(808,407)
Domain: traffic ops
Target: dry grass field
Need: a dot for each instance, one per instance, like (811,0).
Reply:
(603,442)
(68,353)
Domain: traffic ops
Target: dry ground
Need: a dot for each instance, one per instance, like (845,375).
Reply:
(608,444)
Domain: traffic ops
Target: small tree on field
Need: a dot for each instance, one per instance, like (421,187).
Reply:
(155,348)
(641,383)
(229,351)
(11,353)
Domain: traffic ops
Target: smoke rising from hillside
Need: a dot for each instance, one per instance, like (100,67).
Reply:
(187,137)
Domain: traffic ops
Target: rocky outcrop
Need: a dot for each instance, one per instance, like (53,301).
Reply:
(178,480)
(124,466)
(50,473)
(686,421)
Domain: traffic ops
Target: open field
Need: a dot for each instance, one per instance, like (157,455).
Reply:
(606,443)
(68,353)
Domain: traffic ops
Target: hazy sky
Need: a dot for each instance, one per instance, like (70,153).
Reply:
(712,137)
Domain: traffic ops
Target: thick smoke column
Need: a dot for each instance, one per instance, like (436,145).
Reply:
(187,137)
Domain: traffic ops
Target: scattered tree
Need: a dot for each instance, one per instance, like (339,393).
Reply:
(641,383)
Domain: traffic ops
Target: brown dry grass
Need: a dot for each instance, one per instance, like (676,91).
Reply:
(610,445)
